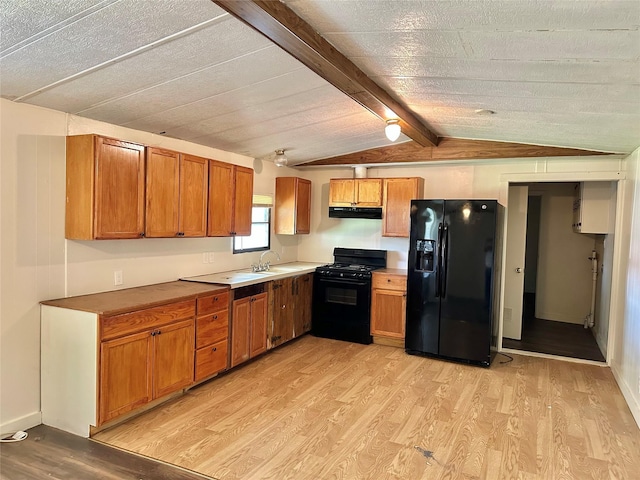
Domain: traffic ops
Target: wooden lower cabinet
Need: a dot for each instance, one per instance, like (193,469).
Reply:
(125,375)
(388,307)
(291,309)
(141,367)
(302,316)
(212,335)
(173,348)
(248,328)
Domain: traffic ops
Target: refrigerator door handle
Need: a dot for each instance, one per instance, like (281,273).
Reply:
(439,261)
(445,258)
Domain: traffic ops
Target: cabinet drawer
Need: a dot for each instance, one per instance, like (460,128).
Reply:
(212,328)
(210,360)
(213,303)
(389,281)
(127,323)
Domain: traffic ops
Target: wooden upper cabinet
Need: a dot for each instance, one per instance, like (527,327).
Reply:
(105,188)
(398,193)
(230,199)
(243,200)
(176,192)
(363,192)
(162,192)
(292,206)
(194,189)
(368,192)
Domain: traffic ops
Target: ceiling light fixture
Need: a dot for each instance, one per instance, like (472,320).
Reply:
(392,130)
(280,159)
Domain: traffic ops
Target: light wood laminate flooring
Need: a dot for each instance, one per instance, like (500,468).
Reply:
(325,409)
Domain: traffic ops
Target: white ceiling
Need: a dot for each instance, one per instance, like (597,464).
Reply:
(561,73)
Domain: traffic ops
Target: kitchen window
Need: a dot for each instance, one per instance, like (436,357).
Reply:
(260,232)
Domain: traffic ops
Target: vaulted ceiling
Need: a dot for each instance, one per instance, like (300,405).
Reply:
(557,73)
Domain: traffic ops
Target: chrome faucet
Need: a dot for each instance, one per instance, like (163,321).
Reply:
(261,266)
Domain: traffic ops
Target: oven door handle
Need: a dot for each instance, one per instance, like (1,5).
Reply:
(341,281)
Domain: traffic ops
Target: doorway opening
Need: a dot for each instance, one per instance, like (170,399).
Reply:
(563,296)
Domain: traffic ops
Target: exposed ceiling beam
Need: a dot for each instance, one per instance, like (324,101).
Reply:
(449,149)
(281,25)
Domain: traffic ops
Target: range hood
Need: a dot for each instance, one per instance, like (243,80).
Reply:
(356,212)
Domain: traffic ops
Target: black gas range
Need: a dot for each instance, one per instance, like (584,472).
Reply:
(342,295)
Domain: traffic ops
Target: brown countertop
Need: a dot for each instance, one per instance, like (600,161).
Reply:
(392,271)
(130,299)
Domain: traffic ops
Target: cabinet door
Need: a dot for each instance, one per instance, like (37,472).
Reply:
(173,357)
(398,193)
(194,184)
(369,192)
(220,199)
(125,375)
(303,206)
(341,192)
(119,189)
(388,313)
(303,291)
(258,343)
(240,330)
(243,201)
(211,360)
(283,311)
(162,192)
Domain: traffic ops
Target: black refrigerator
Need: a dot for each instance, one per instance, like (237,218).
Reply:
(453,279)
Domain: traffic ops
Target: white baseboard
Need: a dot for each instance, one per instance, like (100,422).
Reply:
(632,400)
(558,317)
(22,423)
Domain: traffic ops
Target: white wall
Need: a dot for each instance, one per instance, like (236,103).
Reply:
(32,250)
(563,290)
(626,357)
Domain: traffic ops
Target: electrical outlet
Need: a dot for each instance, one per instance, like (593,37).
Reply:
(117,277)
(211,257)
(205,257)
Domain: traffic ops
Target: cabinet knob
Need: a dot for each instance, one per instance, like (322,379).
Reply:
(214,349)
(215,317)
(142,234)
(283,307)
(388,280)
(215,299)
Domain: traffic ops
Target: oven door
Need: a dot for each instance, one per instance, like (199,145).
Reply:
(341,309)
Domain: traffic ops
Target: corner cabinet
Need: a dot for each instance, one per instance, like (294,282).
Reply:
(351,192)
(176,194)
(397,196)
(105,188)
(292,206)
(230,199)
(388,306)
